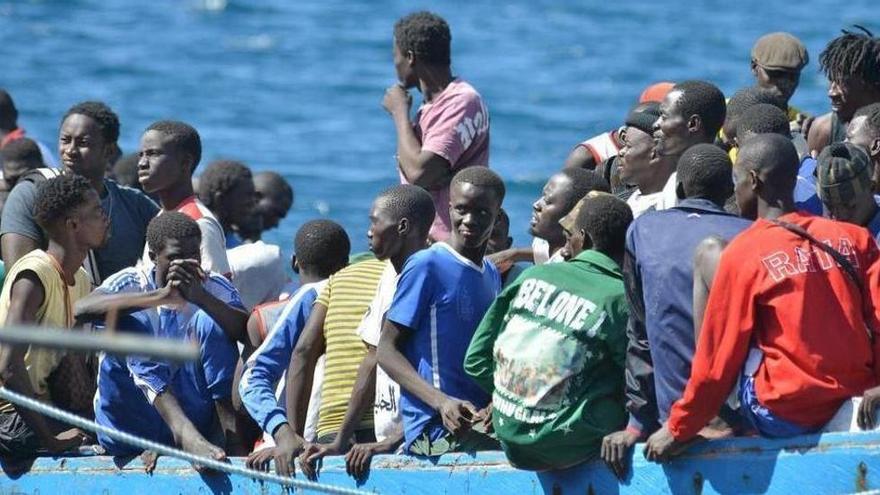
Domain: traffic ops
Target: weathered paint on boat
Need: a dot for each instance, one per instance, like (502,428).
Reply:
(831,463)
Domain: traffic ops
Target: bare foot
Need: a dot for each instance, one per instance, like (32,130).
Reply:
(149,458)
(196,444)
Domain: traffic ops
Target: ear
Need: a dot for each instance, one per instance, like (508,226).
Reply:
(410,58)
(754,180)
(152,256)
(874,149)
(695,124)
(679,190)
(403,227)
(754,69)
(588,241)
(294,264)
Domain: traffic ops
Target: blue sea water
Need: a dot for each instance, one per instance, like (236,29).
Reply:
(296,86)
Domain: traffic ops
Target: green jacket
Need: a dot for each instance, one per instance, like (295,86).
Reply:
(551,351)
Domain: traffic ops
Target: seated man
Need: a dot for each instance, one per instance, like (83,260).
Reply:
(176,404)
(322,248)
(780,285)
(844,185)
(551,348)
(442,294)
(39,290)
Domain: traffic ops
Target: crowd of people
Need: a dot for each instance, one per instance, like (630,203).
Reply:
(707,269)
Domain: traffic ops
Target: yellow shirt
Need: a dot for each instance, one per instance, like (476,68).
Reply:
(346,296)
(55,311)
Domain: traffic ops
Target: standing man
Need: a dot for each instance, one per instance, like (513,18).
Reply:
(451,128)
(86,143)
(864,131)
(777,62)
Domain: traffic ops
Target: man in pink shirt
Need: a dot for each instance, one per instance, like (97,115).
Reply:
(451,128)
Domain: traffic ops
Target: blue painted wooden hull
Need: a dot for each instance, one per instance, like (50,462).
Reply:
(831,463)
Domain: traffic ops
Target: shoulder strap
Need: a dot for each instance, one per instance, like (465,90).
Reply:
(841,260)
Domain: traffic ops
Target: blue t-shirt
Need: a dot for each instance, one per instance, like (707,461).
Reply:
(806,197)
(127,386)
(267,365)
(441,297)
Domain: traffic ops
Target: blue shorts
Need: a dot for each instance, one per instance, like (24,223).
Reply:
(767,424)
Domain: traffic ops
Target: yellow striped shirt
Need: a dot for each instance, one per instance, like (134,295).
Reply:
(346,296)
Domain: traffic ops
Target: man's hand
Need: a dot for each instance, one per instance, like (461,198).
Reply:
(310,459)
(359,457)
(483,419)
(870,401)
(661,446)
(288,445)
(615,450)
(187,277)
(397,100)
(259,460)
(503,260)
(66,440)
(457,415)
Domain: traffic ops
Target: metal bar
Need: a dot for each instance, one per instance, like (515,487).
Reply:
(117,343)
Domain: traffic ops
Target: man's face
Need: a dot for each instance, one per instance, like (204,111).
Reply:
(382,234)
(635,156)
(849,95)
(553,204)
(743,192)
(782,83)
(574,244)
(405,73)
(671,134)
(175,249)
(14,169)
(82,147)
(239,202)
(500,238)
(160,164)
(91,222)
(859,133)
(472,212)
(272,203)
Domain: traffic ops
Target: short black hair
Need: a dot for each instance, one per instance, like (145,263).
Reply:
(23,150)
(183,136)
(763,118)
(584,181)
(605,218)
(98,111)
(427,35)
(221,176)
(412,202)
(852,54)
(8,112)
(872,114)
(773,154)
(125,171)
(481,177)
(704,171)
(58,197)
(745,98)
(171,225)
(323,245)
(705,100)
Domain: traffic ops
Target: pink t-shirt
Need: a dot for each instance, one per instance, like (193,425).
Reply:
(455,125)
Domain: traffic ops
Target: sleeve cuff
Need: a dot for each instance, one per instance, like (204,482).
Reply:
(275,420)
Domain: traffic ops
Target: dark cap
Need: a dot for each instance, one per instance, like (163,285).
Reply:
(643,116)
(843,173)
(780,51)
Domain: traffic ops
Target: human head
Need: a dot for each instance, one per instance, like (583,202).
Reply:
(87,140)
(851,62)
(637,153)
(401,216)
(864,131)
(500,238)
(226,187)
(172,236)
(777,61)
(744,99)
(704,172)
(765,171)
(560,194)
(420,39)
(762,118)
(125,171)
(843,181)
(691,113)
(274,198)
(322,248)
(69,210)
(475,197)
(601,225)
(8,112)
(18,158)
(656,92)
(169,153)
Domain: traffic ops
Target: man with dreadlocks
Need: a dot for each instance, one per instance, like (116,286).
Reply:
(852,64)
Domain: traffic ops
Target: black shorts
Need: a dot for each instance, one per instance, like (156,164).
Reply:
(17,439)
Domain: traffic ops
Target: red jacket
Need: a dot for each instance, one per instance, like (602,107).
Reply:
(775,291)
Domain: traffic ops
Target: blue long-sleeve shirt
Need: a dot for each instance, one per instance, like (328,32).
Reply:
(658,275)
(268,364)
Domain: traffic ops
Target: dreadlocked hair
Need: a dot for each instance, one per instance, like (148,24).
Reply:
(852,54)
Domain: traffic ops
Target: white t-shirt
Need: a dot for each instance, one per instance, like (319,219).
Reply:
(386,409)
(662,200)
(541,252)
(258,272)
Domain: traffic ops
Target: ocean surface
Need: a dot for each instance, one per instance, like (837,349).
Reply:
(296,86)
